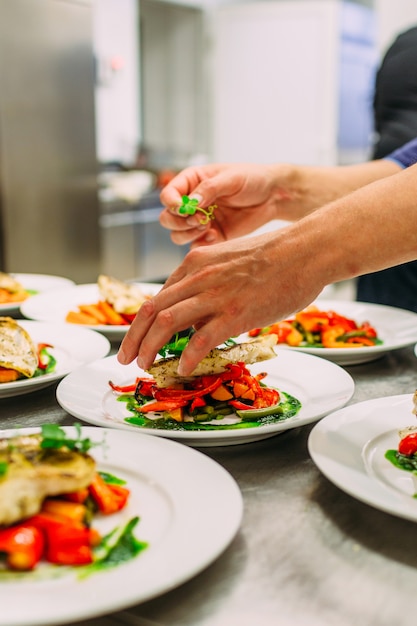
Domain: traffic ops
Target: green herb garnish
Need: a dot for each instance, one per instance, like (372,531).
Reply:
(189,206)
(53,436)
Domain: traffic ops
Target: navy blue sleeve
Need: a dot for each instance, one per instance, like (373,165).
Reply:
(406,155)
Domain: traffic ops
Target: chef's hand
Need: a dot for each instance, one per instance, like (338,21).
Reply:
(223,290)
(245,195)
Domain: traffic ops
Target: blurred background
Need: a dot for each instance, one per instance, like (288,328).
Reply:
(102,101)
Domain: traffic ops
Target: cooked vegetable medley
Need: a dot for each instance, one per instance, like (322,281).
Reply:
(313,327)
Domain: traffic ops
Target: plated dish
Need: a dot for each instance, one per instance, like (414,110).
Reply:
(321,387)
(37,283)
(54,307)
(349,447)
(397,328)
(174,516)
(72,348)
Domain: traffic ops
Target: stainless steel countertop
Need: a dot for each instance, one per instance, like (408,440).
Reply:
(307,554)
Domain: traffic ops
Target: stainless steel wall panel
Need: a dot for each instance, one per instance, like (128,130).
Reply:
(48,170)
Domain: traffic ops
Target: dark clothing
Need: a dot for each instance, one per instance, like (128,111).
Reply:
(395,108)
(395,100)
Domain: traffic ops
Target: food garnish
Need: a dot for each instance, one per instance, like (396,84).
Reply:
(189,206)
(222,393)
(315,328)
(405,456)
(20,357)
(50,493)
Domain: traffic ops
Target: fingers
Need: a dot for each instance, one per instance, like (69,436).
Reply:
(156,322)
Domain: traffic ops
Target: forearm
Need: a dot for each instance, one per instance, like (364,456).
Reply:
(370,229)
(299,190)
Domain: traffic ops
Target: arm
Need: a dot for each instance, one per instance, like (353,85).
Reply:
(248,196)
(228,288)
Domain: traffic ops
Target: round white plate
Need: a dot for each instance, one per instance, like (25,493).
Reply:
(349,447)
(179,519)
(72,348)
(53,307)
(321,387)
(397,328)
(35,282)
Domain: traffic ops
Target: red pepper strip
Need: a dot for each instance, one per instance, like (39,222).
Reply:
(126,388)
(196,403)
(254,332)
(269,397)
(240,406)
(69,545)
(167,393)
(43,364)
(109,498)
(164,405)
(362,341)
(23,544)
(145,387)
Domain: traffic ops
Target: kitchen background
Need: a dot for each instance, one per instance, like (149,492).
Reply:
(101,101)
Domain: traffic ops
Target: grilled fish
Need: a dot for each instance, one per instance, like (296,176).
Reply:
(124,297)
(165,371)
(33,473)
(17,350)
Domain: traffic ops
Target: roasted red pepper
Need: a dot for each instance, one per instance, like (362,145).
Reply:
(23,545)
(108,497)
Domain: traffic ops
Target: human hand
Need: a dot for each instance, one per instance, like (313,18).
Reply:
(222,291)
(244,195)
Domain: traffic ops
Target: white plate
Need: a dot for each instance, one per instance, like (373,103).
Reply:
(179,518)
(348,446)
(321,387)
(35,282)
(72,348)
(53,307)
(397,328)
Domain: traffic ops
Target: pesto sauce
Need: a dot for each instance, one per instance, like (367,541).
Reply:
(402,461)
(115,548)
(289,406)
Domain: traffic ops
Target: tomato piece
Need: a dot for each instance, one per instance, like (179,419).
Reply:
(408,445)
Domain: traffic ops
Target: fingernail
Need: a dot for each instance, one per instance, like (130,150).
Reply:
(196,196)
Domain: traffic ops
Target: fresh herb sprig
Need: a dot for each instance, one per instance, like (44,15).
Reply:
(179,342)
(53,436)
(189,206)
(176,344)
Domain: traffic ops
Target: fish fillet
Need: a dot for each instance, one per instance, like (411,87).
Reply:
(165,371)
(17,350)
(33,473)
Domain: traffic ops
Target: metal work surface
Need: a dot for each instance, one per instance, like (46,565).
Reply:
(307,554)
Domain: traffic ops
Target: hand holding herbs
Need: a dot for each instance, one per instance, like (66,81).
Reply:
(189,206)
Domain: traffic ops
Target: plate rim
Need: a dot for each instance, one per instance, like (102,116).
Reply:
(108,330)
(368,490)
(346,356)
(220,483)
(220,437)
(27,385)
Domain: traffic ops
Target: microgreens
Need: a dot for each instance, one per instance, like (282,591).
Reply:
(53,436)
(190,206)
